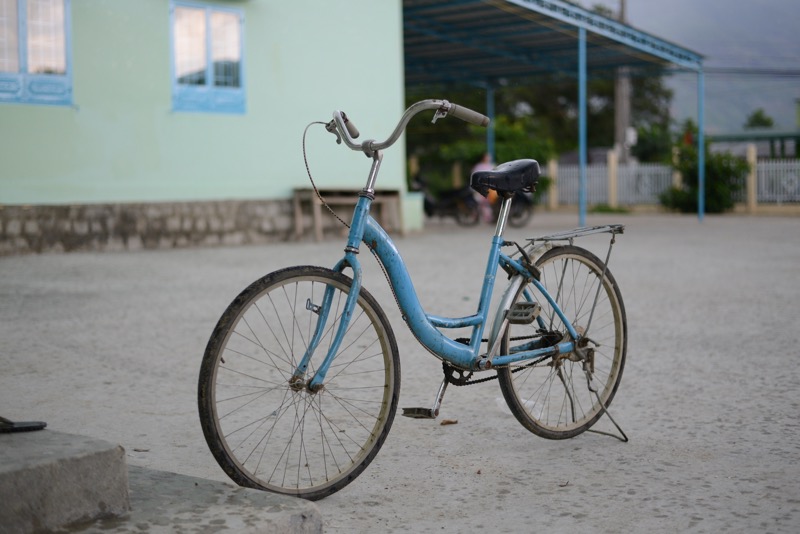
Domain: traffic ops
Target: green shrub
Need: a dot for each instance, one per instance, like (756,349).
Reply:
(725,176)
(605,208)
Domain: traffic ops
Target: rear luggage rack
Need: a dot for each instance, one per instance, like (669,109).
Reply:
(569,235)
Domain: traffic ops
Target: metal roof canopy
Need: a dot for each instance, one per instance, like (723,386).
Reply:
(482,42)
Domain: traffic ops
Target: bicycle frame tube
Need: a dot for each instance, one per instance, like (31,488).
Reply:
(355,236)
(424,326)
(509,262)
(360,218)
(324,313)
(532,350)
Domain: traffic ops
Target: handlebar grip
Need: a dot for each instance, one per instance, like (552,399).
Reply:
(351,128)
(466,114)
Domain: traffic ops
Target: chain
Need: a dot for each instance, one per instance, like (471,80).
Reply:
(308,171)
(448,369)
(464,380)
(469,382)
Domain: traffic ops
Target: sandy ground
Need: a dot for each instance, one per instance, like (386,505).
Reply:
(109,345)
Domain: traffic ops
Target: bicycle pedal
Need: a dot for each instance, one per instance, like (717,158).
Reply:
(419,413)
(523,312)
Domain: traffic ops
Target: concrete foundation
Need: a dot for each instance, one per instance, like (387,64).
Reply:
(52,479)
(96,227)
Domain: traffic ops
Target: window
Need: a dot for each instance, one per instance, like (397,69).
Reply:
(34,52)
(207,72)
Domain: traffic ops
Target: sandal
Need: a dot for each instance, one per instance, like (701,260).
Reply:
(7,426)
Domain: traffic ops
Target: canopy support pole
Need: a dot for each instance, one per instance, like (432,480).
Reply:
(701,146)
(582,124)
(490,131)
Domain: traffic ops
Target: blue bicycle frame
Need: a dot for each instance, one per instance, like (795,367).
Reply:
(425,327)
(363,228)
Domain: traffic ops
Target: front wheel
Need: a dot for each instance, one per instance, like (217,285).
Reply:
(551,397)
(264,430)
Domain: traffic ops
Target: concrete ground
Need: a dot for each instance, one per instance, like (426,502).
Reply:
(54,481)
(108,345)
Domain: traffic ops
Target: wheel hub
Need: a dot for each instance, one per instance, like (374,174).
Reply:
(299,384)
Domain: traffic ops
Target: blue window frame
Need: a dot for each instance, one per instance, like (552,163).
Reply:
(207,58)
(35,63)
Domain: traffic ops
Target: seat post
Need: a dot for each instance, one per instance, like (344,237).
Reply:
(505,210)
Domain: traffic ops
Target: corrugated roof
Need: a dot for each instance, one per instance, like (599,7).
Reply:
(485,40)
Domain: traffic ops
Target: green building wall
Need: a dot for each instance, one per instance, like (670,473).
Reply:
(120,142)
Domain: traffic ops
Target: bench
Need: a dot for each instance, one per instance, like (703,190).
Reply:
(385,207)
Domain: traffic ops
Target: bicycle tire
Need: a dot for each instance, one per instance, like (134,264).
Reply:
(551,398)
(266,434)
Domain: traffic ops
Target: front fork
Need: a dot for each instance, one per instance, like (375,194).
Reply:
(324,311)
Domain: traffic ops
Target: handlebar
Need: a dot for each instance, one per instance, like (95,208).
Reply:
(467,115)
(346,130)
(351,128)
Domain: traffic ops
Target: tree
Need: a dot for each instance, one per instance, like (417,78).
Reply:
(724,177)
(758,119)
(517,135)
(654,144)
(538,117)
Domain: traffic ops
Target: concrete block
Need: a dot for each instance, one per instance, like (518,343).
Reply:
(51,479)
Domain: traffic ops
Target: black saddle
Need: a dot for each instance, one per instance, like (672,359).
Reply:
(511,177)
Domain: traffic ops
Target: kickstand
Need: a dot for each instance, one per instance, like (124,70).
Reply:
(428,413)
(624,437)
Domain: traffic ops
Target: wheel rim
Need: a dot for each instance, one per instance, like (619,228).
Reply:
(288,439)
(553,395)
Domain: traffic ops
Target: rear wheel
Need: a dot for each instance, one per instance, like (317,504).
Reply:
(550,397)
(267,432)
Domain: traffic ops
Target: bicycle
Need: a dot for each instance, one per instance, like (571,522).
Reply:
(300,378)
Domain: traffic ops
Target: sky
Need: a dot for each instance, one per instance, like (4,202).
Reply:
(756,34)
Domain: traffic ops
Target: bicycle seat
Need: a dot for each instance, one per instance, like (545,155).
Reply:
(509,178)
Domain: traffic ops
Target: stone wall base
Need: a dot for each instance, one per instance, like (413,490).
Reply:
(95,227)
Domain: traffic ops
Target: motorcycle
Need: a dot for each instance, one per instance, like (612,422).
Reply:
(521,210)
(459,203)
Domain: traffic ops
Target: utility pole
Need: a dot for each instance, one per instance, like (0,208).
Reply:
(622,104)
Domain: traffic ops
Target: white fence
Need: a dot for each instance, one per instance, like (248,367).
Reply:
(636,184)
(771,182)
(778,181)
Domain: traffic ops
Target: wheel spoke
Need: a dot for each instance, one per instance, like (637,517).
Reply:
(553,400)
(268,432)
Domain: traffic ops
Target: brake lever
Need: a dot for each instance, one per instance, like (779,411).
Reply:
(440,114)
(331,127)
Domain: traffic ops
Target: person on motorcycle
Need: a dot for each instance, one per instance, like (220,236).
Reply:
(487,211)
